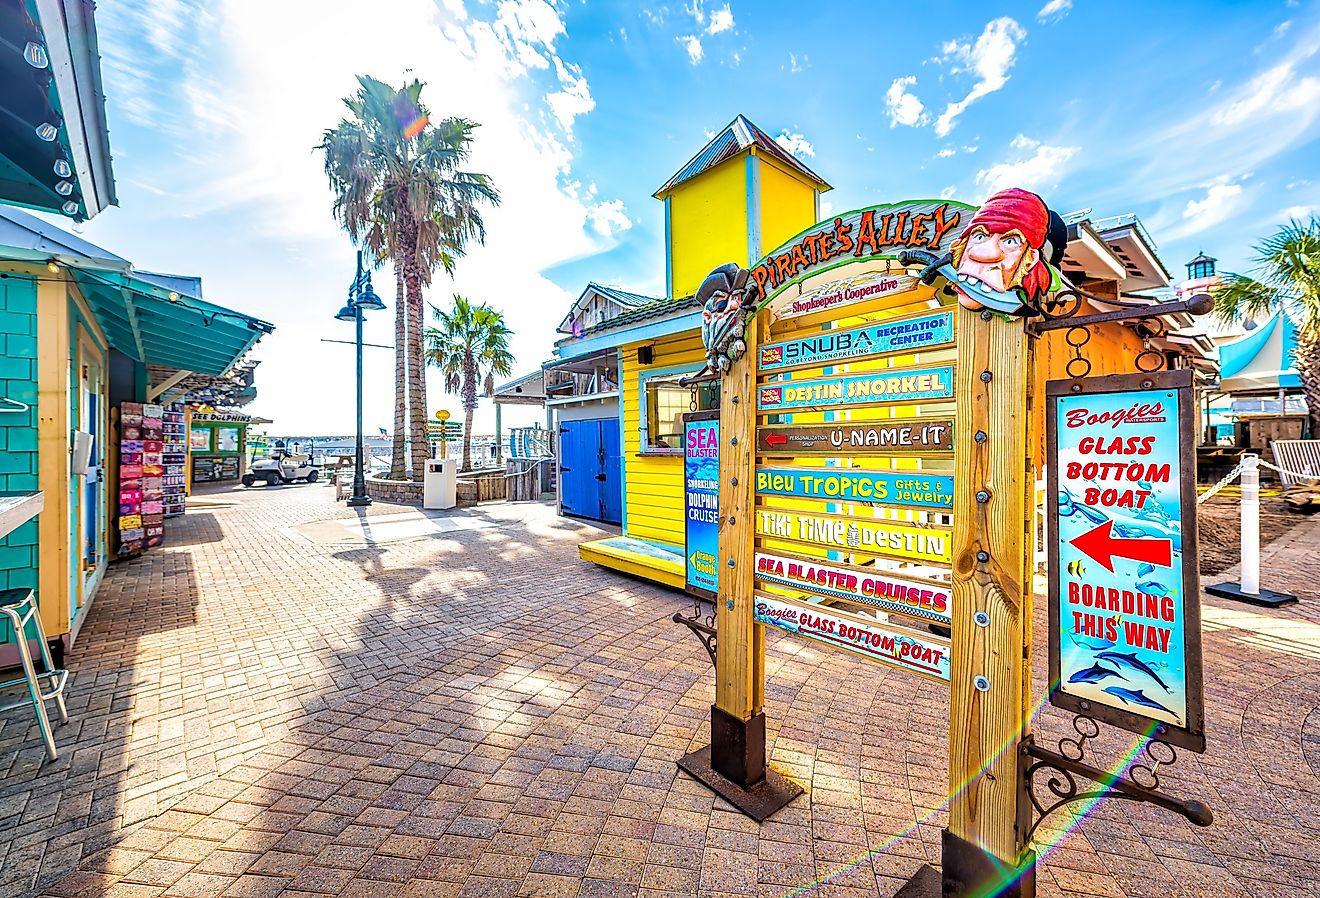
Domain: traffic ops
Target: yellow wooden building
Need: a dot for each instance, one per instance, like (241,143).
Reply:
(736,200)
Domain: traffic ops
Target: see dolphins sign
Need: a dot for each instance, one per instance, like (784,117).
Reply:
(1125,631)
(701,501)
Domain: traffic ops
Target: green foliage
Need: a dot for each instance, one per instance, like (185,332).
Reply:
(470,344)
(1286,275)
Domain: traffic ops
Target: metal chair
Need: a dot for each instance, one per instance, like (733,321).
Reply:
(20,606)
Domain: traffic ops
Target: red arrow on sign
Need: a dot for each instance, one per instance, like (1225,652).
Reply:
(775,439)
(1099,545)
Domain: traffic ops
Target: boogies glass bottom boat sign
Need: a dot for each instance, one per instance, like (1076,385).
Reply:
(1125,641)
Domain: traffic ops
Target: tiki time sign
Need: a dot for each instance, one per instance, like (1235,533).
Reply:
(863,234)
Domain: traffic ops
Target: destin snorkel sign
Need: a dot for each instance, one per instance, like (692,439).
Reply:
(1125,628)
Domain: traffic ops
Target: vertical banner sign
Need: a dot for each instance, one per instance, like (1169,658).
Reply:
(701,503)
(1125,621)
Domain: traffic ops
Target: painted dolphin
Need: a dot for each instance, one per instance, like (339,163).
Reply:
(1131,660)
(1136,697)
(1094,674)
(1091,642)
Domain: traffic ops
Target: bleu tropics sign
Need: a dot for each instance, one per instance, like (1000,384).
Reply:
(909,488)
(906,335)
(896,385)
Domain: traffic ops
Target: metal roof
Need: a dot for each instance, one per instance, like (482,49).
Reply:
(159,319)
(740,134)
(655,309)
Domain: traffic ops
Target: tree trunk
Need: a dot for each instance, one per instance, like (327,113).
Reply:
(469,406)
(398,461)
(1306,358)
(416,361)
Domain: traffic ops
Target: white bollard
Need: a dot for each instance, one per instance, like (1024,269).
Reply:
(1250,582)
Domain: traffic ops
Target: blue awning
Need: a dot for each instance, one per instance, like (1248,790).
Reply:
(1263,359)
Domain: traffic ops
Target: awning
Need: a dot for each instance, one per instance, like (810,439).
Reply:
(54,146)
(1262,360)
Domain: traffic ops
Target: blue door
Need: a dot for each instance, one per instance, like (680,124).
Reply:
(591,470)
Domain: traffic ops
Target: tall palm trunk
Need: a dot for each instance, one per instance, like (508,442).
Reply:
(469,406)
(398,463)
(416,364)
(1306,358)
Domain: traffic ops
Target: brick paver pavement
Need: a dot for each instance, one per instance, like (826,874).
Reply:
(482,714)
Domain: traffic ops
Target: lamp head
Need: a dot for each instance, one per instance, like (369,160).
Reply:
(347,313)
(368,299)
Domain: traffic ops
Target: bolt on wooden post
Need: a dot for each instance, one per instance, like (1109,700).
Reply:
(984,851)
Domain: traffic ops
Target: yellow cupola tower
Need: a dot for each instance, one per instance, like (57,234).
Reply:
(739,197)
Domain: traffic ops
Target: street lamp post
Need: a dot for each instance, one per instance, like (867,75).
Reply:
(360,298)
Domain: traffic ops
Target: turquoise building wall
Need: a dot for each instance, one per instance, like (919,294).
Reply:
(18,430)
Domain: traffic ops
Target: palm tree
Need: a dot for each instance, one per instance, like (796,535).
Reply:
(1286,278)
(399,190)
(469,345)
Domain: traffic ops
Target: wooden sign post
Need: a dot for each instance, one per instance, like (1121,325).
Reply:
(990,686)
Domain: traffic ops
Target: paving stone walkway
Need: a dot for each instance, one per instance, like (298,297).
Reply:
(476,712)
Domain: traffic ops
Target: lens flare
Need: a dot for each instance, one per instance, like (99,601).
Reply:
(1073,814)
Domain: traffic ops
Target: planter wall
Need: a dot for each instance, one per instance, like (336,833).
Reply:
(403,492)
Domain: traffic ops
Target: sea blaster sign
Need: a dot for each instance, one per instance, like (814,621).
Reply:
(1124,591)
(701,502)
(893,592)
(914,334)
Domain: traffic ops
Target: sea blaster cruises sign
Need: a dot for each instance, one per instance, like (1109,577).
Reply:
(904,335)
(900,385)
(912,489)
(701,504)
(1125,623)
(903,436)
(889,591)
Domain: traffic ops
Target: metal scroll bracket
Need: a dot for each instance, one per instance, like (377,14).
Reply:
(1061,312)
(702,626)
(1059,773)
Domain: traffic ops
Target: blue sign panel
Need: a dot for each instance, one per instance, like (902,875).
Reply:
(701,491)
(915,489)
(906,335)
(892,385)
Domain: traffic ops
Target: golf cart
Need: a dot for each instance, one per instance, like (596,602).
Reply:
(283,465)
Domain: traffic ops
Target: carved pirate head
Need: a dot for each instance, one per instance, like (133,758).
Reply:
(1004,256)
(728,299)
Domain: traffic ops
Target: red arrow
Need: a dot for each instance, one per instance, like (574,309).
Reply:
(775,439)
(1099,545)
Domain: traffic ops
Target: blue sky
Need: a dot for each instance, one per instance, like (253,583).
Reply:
(1201,118)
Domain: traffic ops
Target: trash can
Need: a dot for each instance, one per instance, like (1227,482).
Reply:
(440,483)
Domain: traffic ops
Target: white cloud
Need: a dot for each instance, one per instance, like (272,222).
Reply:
(574,97)
(1217,204)
(971,149)
(826,209)
(1299,213)
(694,9)
(795,64)
(692,44)
(1053,11)
(720,20)
(609,218)
(946,152)
(948,193)
(796,144)
(904,107)
(1274,91)
(989,58)
(1038,166)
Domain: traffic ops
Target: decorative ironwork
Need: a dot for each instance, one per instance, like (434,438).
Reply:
(1060,773)
(1200,304)
(702,626)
